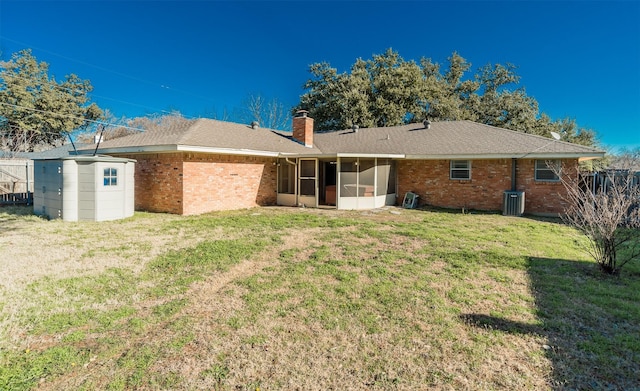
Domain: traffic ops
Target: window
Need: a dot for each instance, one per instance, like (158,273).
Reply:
(460,169)
(544,170)
(111,177)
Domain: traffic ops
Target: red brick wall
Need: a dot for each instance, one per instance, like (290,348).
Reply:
(540,197)
(194,183)
(485,191)
(221,182)
(158,182)
(430,180)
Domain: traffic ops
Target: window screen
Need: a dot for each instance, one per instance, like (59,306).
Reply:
(544,170)
(460,169)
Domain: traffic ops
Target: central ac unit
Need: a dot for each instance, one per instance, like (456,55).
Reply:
(513,203)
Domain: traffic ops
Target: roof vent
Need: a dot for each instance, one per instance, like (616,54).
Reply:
(255,125)
(355,128)
(427,124)
(301,113)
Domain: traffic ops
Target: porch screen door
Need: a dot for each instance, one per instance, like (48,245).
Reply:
(308,182)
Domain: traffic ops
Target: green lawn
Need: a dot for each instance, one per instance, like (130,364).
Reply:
(287,298)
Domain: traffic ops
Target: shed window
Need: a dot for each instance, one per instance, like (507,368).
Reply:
(460,169)
(111,177)
(545,172)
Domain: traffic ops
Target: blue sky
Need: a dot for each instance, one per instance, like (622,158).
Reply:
(579,59)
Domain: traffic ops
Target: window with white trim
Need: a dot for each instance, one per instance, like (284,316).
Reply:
(460,169)
(545,170)
(110,177)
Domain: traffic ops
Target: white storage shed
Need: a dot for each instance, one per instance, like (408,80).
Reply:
(84,188)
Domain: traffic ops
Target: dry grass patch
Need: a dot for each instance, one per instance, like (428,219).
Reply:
(282,298)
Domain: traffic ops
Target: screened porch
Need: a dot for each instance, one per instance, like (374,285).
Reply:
(340,182)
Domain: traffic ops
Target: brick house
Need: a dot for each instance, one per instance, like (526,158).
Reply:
(204,165)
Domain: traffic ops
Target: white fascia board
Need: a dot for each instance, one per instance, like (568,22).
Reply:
(594,155)
(135,149)
(226,151)
(345,155)
(305,155)
(459,157)
(186,148)
(373,155)
(97,158)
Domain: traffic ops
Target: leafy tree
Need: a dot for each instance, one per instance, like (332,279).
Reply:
(388,90)
(36,110)
(398,89)
(383,91)
(326,97)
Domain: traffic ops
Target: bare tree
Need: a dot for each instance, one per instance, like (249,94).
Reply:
(121,127)
(269,113)
(14,140)
(605,207)
(156,121)
(627,159)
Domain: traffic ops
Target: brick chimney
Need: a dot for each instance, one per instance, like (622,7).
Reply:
(303,128)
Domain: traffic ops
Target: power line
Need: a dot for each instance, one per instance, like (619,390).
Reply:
(71,116)
(94,95)
(135,78)
(68,89)
(155,109)
(82,62)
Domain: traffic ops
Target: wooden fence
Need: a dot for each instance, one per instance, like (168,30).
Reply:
(16,198)
(16,182)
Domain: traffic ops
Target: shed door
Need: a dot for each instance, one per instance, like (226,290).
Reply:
(308,182)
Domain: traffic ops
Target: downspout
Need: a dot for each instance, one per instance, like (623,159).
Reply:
(514,167)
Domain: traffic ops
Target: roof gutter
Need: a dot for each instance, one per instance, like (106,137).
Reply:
(250,152)
(565,155)
(227,151)
(373,155)
(184,148)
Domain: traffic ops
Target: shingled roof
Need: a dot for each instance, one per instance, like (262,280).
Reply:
(449,139)
(442,140)
(207,135)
